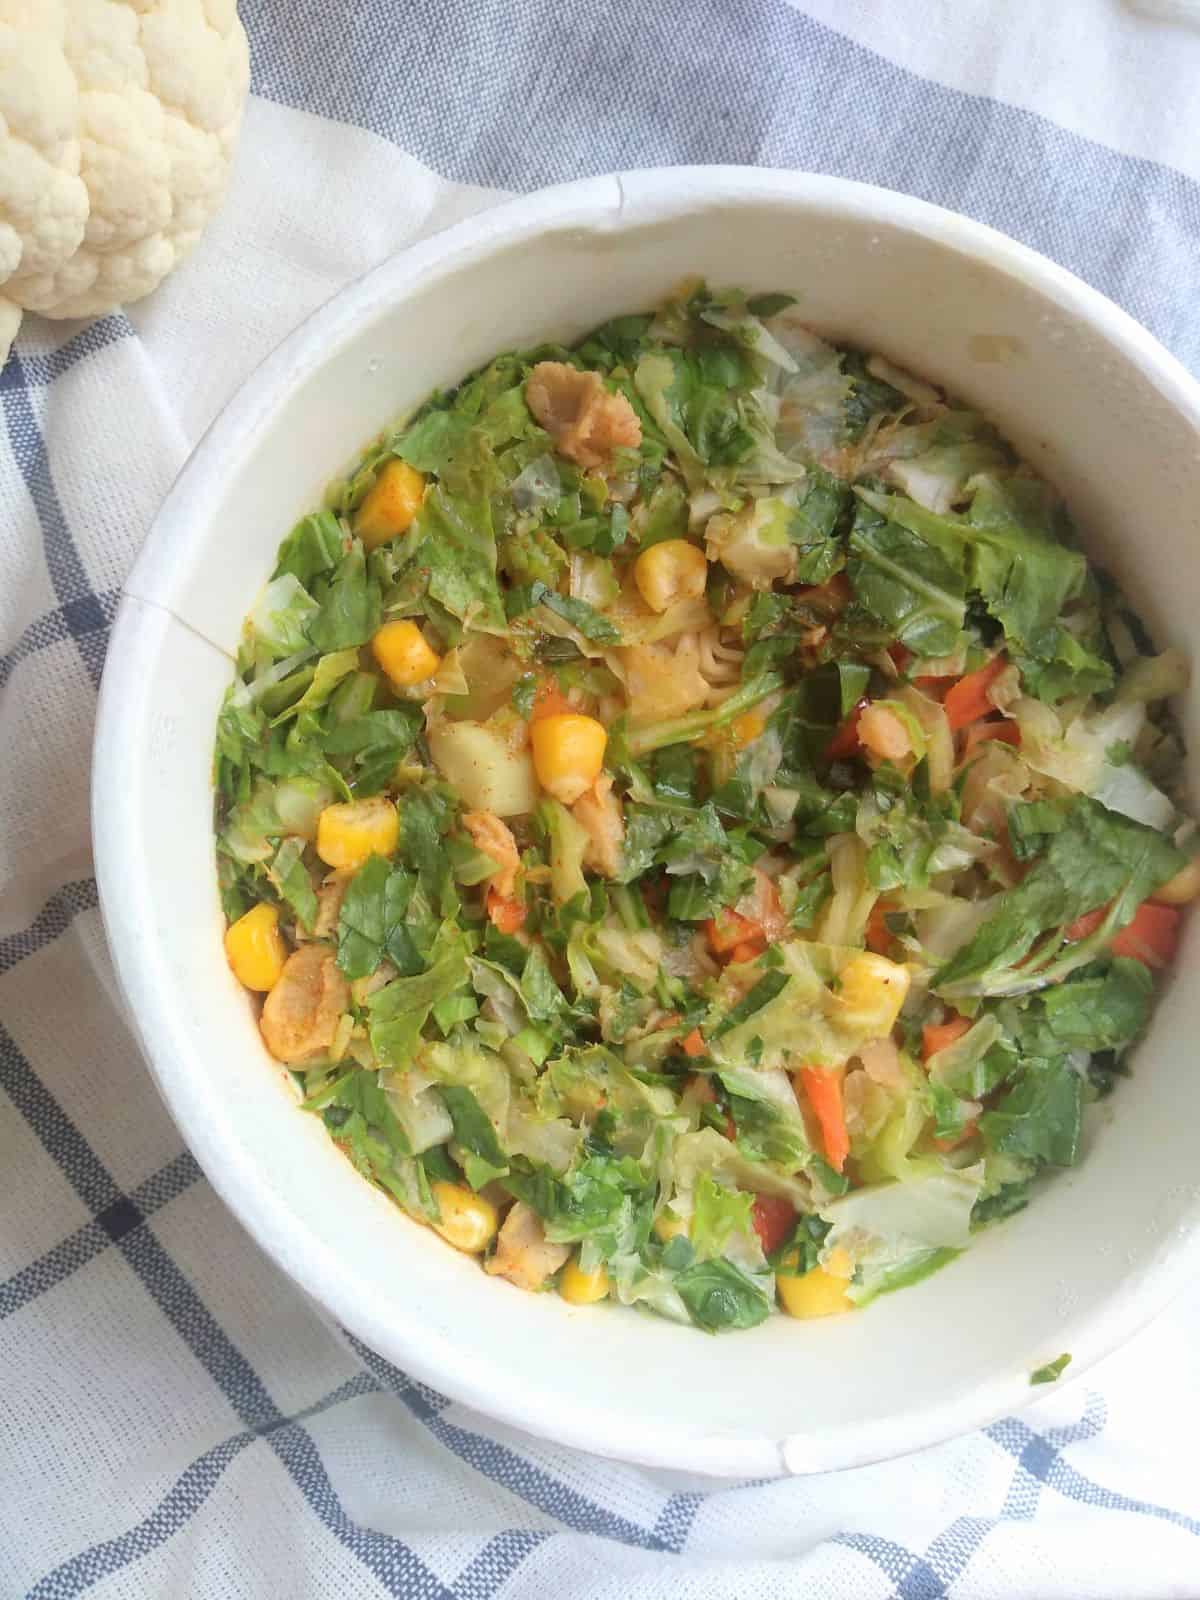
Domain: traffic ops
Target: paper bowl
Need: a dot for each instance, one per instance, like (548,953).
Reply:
(1083,391)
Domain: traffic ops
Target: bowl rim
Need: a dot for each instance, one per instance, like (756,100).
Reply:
(612,203)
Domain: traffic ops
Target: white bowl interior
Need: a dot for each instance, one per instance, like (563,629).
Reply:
(1085,393)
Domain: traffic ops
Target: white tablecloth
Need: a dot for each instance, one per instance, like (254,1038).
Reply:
(176,1421)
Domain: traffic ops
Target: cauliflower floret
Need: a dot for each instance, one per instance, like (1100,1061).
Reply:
(300,1015)
(754,545)
(577,411)
(598,812)
(495,839)
(117,126)
(43,200)
(523,1255)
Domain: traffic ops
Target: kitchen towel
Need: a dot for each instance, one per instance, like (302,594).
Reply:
(175,1419)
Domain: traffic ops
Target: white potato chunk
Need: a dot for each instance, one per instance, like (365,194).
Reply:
(485,772)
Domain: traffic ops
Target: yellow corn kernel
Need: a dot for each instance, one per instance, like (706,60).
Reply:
(874,989)
(401,650)
(669,571)
(568,753)
(748,727)
(347,834)
(581,1288)
(390,505)
(668,1226)
(1183,887)
(815,1294)
(255,948)
(468,1221)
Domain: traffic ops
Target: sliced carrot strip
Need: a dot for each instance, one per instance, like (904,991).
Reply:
(507,914)
(936,1036)
(1151,937)
(824,1091)
(878,936)
(728,929)
(1083,927)
(967,701)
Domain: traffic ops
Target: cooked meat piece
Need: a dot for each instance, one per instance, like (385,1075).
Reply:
(329,903)
(300,1015)
(523,1255)
(586,422)
(495,839)
(599,813)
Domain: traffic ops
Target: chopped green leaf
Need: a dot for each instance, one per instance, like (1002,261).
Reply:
(314,546)
(719,1295)
(432,442)
(371,922)
(1038,1119)
(350,609)
(1097,857)
(915,589)
(472,1127)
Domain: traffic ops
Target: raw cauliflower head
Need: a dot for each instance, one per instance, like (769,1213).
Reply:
(118,121)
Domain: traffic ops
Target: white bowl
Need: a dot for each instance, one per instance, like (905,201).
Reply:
(1088,396)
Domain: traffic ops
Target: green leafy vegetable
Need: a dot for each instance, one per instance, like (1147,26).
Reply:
(373,745)
(456,542)
(431,443)
(606,1040)
(1104,1011)
(590,623)
(400,1009)
(914,588)
(718,1214)
(1038,1119)
(814,526)
(284,616)
(1095,858)
(314,546)
(768,988)
(472,1128)
(371,923)
(358,1115)
(719,1295)
(350,610)
(291,878)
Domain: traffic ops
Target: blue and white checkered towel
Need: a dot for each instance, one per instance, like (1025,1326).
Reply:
(174,1420)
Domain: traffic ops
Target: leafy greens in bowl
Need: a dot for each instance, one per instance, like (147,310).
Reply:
(1095,407)
(702,830)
